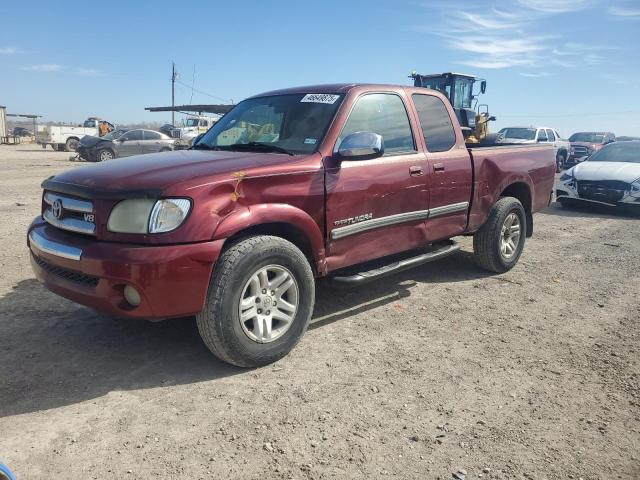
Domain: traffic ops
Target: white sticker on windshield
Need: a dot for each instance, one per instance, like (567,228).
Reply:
(320,98)
(310,141)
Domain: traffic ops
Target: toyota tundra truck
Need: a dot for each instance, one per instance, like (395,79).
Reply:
(348,182)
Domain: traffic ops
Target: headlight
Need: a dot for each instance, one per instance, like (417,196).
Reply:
(148,215)
(565,177)
(635,189)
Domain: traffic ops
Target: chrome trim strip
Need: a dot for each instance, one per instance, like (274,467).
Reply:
(341,232)
(53,248)
(360,227)
(447,209)
(71,224)
(72,204)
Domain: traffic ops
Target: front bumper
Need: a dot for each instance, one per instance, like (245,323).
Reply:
(172,280)
(603,196)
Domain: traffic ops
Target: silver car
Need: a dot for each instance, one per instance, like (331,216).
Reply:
(132,142)
(139,141)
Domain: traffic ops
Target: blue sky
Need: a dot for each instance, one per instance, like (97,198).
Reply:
(570,64)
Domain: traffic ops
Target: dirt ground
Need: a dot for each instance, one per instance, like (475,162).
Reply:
(530,374)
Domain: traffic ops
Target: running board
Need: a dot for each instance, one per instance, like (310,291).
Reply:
(395,267)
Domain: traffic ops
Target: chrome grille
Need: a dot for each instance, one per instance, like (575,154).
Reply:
(68,213)
(580,151)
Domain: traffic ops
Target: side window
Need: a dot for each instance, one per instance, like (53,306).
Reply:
(550,135)
(384,114)
(542,135)
(435,121)
(149,135)
(132,135)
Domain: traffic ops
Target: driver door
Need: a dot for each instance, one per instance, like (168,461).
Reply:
(377,207)
(129,143)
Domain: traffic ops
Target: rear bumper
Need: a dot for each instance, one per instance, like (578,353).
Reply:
(172,280)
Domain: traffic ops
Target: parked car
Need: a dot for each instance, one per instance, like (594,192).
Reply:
(520,135)
(65,138)
(123,144)
(290,185)
(22,132)
(626,138)
(611,176)
(584,144)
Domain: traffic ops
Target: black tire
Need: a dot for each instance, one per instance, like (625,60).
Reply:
(565,203)
(71,145)
(560,159)
(219,323)
(487,241)
(104,154)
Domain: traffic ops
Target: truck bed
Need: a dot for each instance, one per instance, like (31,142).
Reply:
(497,167)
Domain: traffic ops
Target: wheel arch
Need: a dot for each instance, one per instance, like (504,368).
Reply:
(284,221)
(522,192)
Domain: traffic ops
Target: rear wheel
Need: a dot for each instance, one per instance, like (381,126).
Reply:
(71,145)
(259,303)
(105,154)
(499,242)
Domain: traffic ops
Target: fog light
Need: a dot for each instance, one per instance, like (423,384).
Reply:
(132,296)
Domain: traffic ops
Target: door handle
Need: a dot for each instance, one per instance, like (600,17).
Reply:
(438,167)
(415,170)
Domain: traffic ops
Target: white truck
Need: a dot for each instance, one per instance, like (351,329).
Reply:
(65,138)
(194,125)
(526,135)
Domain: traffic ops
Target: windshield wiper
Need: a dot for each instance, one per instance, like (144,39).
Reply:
(257,146)
(203,146)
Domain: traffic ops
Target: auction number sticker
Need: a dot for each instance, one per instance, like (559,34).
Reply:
(320,98)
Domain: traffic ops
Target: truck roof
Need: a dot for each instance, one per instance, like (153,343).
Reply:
(327,88)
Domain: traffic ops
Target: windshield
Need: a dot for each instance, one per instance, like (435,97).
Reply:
(296,123)
(114,134)
(628,152)
(519,133)
(191,122)
(587,137)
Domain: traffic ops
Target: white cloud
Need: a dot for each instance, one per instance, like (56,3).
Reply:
(88,72)
(557,6)
(625,12)
(44,67)
(9,50)
(536,74)
(508,35)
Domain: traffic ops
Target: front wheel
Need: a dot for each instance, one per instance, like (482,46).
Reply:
(560,159)
(259,303)
(498,244)
(104,155)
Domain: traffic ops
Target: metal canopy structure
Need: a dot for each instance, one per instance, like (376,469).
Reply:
(30,116)
(219,109)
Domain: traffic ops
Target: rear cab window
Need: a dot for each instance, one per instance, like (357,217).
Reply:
(542,135)
(384,114)
(438,131)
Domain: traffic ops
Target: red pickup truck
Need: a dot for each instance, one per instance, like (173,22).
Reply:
(350,182)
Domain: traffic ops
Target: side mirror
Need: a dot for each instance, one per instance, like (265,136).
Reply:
(483,86)
(361,146)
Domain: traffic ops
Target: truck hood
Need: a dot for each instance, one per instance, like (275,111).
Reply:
(156,172)
(622,171)
(586,144)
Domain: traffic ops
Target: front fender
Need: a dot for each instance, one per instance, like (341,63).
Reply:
(264,214)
